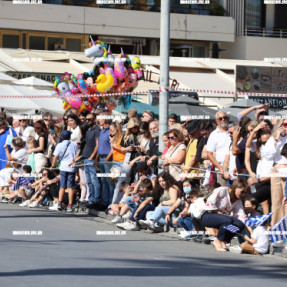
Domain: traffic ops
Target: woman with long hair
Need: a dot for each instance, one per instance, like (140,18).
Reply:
(223,207)
(169,190)
(128,145)
(40,145)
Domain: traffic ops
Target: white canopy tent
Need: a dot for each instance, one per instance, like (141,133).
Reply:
(33,81)
(29,105)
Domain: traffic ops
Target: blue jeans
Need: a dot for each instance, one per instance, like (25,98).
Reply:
(108,187)
(142,213)
(131,204)
(92,182)
(219,221)
(186,223)
(158,215)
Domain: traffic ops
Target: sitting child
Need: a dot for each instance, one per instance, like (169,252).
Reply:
(146,198)
(258,243)
(121,208)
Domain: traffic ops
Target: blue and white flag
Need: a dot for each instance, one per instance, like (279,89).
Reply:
(279,230)
(232,228)
(20,181)
(258,220)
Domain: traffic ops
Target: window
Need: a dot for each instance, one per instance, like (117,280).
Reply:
(10,41)
(37,43)
(253,13)
(73,45)
(55,43)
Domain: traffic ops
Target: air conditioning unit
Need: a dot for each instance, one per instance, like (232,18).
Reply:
(59,47)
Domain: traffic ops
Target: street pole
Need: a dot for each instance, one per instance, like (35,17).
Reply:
(164,69)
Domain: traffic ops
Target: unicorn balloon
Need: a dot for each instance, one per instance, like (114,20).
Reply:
(98,50)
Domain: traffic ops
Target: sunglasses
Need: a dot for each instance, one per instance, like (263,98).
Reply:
(171,138)
(134,127)
(142,133)
(65,119)
(89,120)
(262,113)
(223,118)
(22,121)
(284,125)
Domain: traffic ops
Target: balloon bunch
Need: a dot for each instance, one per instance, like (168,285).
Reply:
(110,75)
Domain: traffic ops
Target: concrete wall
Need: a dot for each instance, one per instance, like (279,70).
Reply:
(255,48)
(113,22)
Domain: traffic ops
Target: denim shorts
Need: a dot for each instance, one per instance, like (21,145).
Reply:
(67,179)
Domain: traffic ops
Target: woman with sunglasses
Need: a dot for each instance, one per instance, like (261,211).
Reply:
(41,145)
(175,155)
(223,207)
(6,135)
(259,181)
(24,130)
(272,151)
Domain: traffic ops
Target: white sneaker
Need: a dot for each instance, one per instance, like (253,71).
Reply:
(54,207)
(118,219)
(24,203)
(147,224)
(122,225)
(279,243)
(235,249)
(33,204)
(184,233)
(127,215)
(131,226)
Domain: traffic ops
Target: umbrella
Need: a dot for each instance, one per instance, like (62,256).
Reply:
(184,99)
(192,110)
(245,103)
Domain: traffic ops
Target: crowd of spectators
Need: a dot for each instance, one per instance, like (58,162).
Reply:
(211,174)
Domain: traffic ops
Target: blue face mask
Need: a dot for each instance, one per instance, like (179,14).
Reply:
(187,189)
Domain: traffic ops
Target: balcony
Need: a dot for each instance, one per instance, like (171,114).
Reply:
(265,32)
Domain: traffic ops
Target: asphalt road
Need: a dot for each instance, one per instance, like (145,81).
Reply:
(71,252)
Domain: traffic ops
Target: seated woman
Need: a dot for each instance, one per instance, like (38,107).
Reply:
(184,205)
(223,207)
(169,191)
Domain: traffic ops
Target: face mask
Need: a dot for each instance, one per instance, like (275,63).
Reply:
(187,189)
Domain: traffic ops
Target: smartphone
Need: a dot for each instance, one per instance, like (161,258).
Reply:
(159,153)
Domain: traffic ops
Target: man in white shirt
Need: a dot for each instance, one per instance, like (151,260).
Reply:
(219,142)
(25,131)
